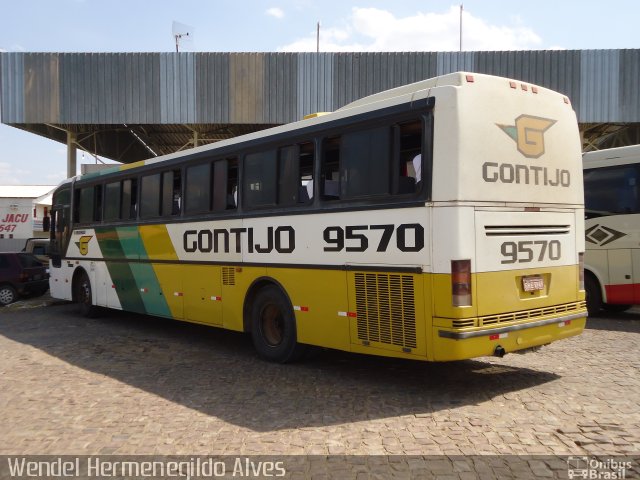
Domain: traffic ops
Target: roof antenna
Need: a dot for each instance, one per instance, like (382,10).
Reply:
(181,33)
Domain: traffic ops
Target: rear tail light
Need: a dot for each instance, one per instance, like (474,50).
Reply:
(581,270)
(461,283)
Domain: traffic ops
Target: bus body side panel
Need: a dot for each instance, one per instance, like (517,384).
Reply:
(614,257)
(320,302)
(60,282)
(202,293)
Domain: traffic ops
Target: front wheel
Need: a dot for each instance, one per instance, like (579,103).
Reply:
(273,326)
(83,295)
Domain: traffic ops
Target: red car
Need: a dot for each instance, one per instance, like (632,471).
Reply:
(21,274)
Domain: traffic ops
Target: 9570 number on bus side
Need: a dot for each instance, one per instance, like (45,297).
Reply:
(529,251)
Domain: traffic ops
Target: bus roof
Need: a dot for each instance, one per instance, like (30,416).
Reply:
(611,156)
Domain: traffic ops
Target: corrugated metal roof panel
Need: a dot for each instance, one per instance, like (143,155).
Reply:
(629,86)
(280,94)
(599,86)
(12,87)
(251,88)
(314,83)
(212,87)
(449,62)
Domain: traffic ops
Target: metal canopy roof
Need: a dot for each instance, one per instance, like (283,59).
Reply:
(133,106)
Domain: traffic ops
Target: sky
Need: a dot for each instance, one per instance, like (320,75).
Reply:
(288,25)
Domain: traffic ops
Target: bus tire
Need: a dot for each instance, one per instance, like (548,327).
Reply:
(83,295)
(273,326)
(594,295)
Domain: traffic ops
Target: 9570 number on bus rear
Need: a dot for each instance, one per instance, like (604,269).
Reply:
(530,250)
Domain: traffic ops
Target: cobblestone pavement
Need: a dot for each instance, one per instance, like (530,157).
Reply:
(130,384)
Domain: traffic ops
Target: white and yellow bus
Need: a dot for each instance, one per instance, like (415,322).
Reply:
(612,208)
(440,220)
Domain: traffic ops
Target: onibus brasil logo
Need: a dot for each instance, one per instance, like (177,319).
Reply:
(528,133)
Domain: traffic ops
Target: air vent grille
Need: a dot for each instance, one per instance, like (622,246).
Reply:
(228,276)
(385,308)
(515,230)
(521,316)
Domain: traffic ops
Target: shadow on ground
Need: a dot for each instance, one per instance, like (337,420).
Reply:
(628,321)
(208,370)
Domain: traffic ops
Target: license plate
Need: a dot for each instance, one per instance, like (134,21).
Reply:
(532,284)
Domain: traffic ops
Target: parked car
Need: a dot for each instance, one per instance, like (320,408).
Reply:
(39,247)
(21,274)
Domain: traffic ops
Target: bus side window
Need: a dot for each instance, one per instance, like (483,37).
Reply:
(232,183)
(295,174)
(305,172)
(129,199)
(410,155)
(220,196)
(259,179)
(112,201)
(288,183)
(330,187)
(611,190)
(198,188)
(97,203)
(364,162)
(171,193)
(84,205)
(150,196)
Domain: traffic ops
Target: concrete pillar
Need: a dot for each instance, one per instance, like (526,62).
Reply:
(71,154)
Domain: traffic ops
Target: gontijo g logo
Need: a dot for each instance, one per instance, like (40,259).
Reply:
(528,133)
(83,244)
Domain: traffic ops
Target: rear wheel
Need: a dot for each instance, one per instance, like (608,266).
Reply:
(273,326)
(7,294)
(83,295)
(594,296)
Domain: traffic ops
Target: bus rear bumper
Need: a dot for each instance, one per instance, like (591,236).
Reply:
(460,344)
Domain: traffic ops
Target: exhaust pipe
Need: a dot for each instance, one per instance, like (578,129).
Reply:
(499,352)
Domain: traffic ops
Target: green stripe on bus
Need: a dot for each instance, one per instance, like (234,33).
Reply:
(149,288)
(146,280)
(109,243)
(136,284)
(120,272)
(130,242)
(126,288)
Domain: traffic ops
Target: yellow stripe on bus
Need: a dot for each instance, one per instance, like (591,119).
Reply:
(132,165)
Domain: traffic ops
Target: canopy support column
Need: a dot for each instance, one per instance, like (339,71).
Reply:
(71,154)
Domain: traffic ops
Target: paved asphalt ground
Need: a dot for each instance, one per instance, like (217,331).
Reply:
(131,384)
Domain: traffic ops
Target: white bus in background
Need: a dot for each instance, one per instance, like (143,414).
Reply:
(612,229)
